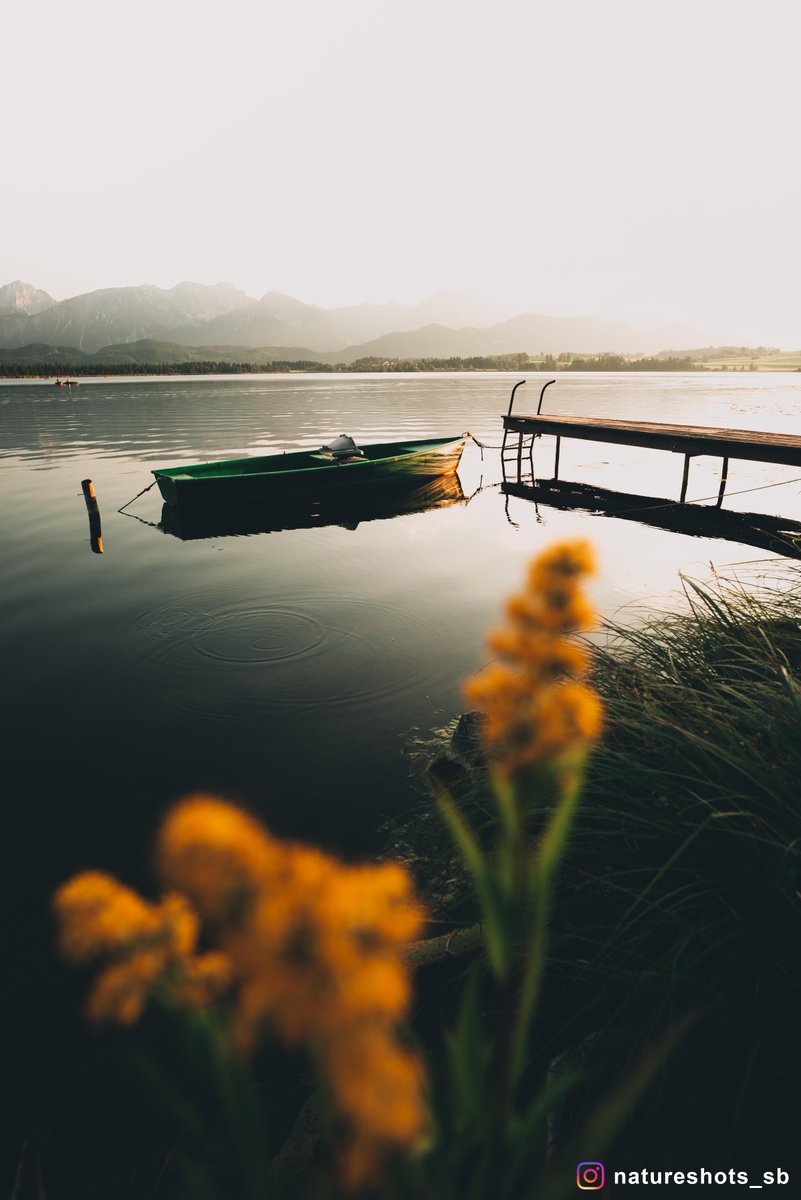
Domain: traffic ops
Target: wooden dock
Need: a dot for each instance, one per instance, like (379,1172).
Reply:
(689,440)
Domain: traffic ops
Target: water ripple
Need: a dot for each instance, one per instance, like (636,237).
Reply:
(223,660)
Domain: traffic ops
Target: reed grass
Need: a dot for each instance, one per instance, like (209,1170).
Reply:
(681,891)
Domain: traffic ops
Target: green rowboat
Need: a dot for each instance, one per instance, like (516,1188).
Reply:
(309,473)
(348,510)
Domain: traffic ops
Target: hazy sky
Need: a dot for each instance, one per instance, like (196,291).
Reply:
(623,158)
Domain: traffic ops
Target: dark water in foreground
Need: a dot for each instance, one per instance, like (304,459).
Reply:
(285,668)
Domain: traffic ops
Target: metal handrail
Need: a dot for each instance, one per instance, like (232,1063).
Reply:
(542,393)
(520,384)
(512,397)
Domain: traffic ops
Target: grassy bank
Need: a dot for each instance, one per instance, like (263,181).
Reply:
(681,894)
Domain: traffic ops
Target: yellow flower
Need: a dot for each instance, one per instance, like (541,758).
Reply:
(121,990)
(179,925)
(148,945)
(322,947)
(503,695)
(540,652)
(372,989)
(97,915)
(202,979)
(567,716)
(535,705)
(313,948)
(563,561)
(378,1086)
(375,905)
(216,854)
(559,608)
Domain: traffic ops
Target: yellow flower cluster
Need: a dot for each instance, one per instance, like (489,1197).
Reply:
(378,1086)
(312,946)
(147,945)
(218,856)
(537,708)
(316,952)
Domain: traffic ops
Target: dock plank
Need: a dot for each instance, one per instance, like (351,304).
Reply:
(693,440)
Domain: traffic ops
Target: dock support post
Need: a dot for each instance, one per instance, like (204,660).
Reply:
(684,478)
(724,475)
(556,457)
(519,456)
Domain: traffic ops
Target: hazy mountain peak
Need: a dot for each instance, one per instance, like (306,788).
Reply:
(458,310)
(206,300)
(280,302)
(24,297)
(193,314)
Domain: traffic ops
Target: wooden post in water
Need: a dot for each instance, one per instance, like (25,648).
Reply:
(95,531)
(88,489)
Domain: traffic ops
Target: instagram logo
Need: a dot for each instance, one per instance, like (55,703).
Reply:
(590,1175)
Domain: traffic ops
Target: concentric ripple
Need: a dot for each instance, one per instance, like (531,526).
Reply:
(223,660)
(263,636)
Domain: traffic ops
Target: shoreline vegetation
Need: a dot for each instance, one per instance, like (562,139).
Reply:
(624,820)
(150,358)
(679,893)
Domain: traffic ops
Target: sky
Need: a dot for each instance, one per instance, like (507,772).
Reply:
(630,159)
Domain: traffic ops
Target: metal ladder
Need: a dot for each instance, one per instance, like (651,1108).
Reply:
(513,455)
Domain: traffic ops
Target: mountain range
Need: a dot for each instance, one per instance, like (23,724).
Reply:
(221,316)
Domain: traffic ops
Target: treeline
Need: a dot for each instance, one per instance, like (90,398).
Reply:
(616,363)
(211,367)
(500,362)
(492,362)
(22,370)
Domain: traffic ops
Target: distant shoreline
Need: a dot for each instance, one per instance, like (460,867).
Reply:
(504,363)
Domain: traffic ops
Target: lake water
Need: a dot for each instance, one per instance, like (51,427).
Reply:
(289,668)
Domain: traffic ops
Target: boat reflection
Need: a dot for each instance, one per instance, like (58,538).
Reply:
(349,511)
(779,535)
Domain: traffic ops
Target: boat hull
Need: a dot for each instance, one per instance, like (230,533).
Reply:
(308,474)
(348,510)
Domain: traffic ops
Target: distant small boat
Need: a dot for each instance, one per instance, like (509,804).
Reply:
(339,467)
(66,383)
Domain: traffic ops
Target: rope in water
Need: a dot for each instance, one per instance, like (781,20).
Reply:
(138,494)
(482,445)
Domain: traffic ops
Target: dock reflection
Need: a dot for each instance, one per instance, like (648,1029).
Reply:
(349,512)
(779,535)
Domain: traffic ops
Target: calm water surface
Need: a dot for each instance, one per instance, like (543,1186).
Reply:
(289,668)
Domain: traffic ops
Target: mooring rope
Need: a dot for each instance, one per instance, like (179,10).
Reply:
(482,445)
(138,494)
